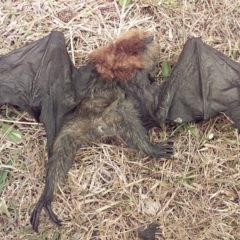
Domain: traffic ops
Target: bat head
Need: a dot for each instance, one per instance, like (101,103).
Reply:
(132,51)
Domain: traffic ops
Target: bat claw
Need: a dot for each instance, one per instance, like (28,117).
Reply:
(34,220)
(167,148)
(52,215)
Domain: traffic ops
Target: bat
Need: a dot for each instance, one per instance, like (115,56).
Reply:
(114,90)
(79,106)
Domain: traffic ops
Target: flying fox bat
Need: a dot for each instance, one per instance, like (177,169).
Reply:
(78,106)
(113,95)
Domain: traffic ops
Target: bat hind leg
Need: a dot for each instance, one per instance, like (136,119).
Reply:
(64,151)
(129,127)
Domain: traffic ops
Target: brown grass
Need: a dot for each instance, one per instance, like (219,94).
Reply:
(111,191)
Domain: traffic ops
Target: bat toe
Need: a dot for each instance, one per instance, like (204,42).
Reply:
(34,220)
(53,217)
(166,148)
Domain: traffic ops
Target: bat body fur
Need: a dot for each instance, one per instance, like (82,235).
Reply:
(132,58)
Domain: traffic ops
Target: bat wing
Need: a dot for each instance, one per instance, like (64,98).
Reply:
(41,79)
(204,83)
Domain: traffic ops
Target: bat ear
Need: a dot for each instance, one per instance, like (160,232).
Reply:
(150,53)
(147,40)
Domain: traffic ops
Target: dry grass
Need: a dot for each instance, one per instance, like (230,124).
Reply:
(111,190)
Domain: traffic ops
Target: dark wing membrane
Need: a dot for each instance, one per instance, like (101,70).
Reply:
(17,75)
(204,83)
(39,78)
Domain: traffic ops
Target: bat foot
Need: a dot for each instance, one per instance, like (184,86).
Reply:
(169,147)
(165,149)
(34,220)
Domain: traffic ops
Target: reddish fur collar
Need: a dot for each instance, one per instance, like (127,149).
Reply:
(122,58)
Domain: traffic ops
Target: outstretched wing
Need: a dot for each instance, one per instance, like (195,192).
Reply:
(40,78)
(204,83)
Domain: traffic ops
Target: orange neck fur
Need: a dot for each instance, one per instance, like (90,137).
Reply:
(122,58)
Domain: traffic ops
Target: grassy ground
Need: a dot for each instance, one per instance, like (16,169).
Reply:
(111,191)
